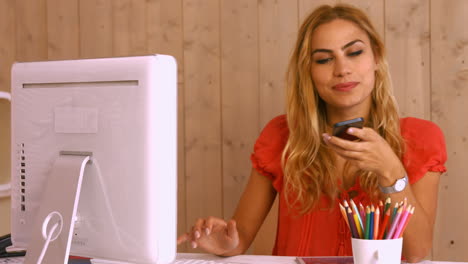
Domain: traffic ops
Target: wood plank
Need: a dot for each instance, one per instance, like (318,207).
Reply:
(278,26)
(408,46)
(203,173)
(7,56)
(449,71)
(31,30)
(307,6)
(374,9)
(164,30)
(63,29)
(240,95)
(278,22)
(164,36)
(129,27)
(96,28)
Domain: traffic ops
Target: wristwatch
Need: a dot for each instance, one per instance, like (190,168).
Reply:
(399,186)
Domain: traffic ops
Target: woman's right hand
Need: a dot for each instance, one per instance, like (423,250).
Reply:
(214,235)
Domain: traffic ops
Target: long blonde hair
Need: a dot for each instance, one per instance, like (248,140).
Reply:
(309,169)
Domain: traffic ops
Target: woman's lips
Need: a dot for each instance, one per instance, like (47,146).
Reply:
(345,87)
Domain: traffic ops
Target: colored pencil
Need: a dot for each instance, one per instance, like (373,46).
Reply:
(407,220)
(366,233)
(362,213)
(395,220)
(371,224)
(395,209)
(384,224)
(358,225)
(379,221)
(380,207)
(376,223)
(355,210)
(402,222)
(343,212)
(388,202)
(352,224)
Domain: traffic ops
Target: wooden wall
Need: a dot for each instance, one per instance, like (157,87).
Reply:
(232,57)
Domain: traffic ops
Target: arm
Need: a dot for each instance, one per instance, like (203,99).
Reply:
(234,237)
(417,239)
(253,207)
(373,153)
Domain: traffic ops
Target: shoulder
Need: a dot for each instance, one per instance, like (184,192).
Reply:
(413,123)
(266,156)
(425,148)
(421,131)
(274,135)
(276,125)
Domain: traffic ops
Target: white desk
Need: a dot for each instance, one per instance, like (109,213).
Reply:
(193,258)
(256,259)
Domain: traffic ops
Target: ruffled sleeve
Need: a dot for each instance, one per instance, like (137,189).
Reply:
(266,157)
(425,148)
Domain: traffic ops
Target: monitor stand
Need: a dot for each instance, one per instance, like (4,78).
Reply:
(56,216)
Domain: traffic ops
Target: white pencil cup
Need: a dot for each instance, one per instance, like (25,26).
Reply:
(385,251)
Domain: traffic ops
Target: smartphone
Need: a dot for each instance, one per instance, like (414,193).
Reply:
(339,129)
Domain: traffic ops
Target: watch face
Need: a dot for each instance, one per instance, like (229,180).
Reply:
(400,185)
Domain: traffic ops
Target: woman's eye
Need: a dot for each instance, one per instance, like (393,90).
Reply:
(323,61)
(356,53)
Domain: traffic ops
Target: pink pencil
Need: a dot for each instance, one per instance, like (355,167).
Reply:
(407,220)
(402,222)
(395,221)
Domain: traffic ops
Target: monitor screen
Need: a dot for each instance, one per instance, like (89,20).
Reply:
(122,112)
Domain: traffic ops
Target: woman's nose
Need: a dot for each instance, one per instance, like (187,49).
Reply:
(342,67)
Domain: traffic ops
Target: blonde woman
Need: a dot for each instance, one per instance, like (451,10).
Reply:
(338,71)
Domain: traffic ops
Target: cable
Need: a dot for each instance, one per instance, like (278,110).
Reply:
(48,236)
(46,244)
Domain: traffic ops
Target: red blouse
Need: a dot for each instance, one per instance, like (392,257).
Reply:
(323,232)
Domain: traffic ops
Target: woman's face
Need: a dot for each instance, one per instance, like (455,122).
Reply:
(343,66)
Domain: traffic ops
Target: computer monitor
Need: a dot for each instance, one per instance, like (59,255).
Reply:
(122,113)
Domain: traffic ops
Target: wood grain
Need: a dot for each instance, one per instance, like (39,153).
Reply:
(407,38)
(202,95)
(449,94)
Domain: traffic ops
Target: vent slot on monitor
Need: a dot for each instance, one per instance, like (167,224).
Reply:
(23,171)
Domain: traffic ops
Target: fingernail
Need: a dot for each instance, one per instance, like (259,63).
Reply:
(207,231)
(325,136)
(197,234)
(194,245)
(350,130)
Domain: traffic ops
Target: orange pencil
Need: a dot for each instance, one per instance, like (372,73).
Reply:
(343,212)
(376,222)
(384,223)
(381,208)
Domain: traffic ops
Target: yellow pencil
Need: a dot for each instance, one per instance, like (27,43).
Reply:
(358,225)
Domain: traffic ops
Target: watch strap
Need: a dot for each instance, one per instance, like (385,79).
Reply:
(392,189)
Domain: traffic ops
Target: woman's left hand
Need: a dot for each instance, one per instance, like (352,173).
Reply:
(370,153)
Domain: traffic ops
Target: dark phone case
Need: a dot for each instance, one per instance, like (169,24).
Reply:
(339,129)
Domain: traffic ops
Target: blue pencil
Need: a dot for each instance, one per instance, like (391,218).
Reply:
(371,224)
